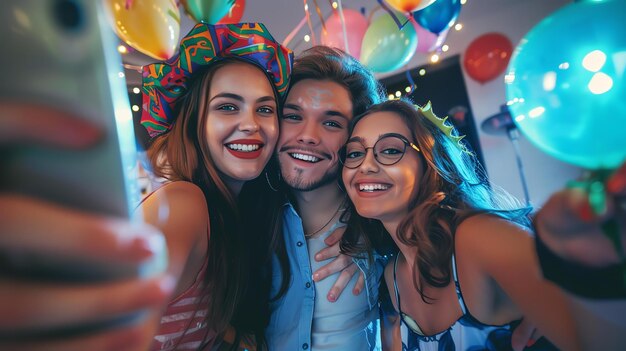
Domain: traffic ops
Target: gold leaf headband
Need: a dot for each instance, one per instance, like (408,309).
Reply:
(427,111)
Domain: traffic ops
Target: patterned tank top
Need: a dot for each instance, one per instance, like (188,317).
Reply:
(467,333)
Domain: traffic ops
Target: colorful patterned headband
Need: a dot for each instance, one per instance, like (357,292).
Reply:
(165,83)
(427,111)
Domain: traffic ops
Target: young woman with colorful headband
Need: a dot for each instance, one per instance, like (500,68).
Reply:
(466,268)
(213,115)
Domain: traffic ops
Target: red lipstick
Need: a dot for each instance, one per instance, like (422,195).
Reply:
(245,148)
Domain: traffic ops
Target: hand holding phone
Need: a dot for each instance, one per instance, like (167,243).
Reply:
(63,54)
(67,187)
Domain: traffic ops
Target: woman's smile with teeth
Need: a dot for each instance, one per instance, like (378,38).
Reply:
(243,147)
(373,187)
(304,157)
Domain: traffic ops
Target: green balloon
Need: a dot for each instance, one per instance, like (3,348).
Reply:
(207,11)
(385,47)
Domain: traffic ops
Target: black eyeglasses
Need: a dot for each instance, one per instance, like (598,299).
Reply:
(388,150)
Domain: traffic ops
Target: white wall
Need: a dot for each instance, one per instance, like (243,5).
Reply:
(514,19)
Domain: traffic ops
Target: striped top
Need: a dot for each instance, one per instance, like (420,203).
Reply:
(182,324)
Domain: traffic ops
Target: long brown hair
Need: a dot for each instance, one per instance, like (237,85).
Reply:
(234,270)
(453,187)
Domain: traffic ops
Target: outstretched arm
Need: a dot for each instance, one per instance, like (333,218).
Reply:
(52,314)
(504,253)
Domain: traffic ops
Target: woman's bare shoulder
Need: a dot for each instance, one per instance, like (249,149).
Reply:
(181,202)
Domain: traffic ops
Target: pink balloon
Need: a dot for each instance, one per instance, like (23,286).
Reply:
(356,26)
(426,40)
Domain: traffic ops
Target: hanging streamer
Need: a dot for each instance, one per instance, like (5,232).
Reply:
(294,32)
(330,3)
(369,18)
(319,14)
(393,15)
(413,86)
(412,20)
(133,67)
(343,27)
(308,20)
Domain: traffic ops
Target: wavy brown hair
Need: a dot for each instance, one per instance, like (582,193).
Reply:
(453,187)
(236,285)
(326,63)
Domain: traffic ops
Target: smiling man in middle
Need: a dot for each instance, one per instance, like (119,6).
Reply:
(328,89)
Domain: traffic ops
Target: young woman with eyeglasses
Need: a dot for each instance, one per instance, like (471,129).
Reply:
(412,181)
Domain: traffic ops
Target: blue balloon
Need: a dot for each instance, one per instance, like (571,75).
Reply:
(566,84)
(439,16)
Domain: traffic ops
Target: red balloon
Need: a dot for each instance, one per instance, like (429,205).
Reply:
(487,56)
(235,13)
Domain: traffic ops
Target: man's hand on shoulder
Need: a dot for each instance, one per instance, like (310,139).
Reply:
(341,263)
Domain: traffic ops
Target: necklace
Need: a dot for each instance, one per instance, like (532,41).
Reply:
(341,205)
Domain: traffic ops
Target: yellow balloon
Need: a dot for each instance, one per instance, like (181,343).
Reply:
(409,5)
(149,26)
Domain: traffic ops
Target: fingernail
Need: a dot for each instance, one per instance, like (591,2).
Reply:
(331,297)
(158,290)
(617,183)
(167,284)
(530,342)
(585,212)
(147,243)
(356,291)
(316,277)
(144,248)
(318,257)
(79,134)
(83,137)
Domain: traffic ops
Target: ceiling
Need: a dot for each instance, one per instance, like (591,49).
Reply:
(282,16)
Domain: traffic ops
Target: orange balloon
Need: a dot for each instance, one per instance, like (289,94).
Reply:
(487,56)
(409,5)
(235,13)
(150,26)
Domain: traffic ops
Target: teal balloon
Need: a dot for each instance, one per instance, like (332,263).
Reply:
(566,84)
(207,11)
(385,47)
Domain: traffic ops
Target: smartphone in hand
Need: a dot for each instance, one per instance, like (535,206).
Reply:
(63,53)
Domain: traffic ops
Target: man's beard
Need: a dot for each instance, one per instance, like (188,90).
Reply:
(298,183)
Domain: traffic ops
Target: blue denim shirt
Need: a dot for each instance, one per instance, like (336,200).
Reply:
(291,322)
